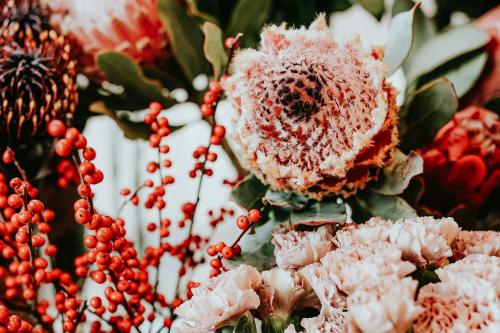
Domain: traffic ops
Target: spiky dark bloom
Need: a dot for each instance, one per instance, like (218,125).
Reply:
(23,18)
(38,84)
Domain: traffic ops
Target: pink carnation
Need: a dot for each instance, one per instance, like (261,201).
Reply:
(296,249)
(462,305)
(315,117)
(343,270)
(222,299)
(283,292)
(383,305)
(475,265)
(470,242)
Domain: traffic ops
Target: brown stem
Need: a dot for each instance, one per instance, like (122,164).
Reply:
(18,166)
(77,160)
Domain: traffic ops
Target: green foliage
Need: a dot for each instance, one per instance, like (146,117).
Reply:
(249,192)
(425,112)
(214,49)
(318,213)
(396,176)
(374,7)
(248,17)
(246,324)
(369,203)
(444,47)
(186,37)
(138,91)
(399,40)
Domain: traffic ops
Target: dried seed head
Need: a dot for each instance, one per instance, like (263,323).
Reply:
(38,84)
(23,18)
(314,117)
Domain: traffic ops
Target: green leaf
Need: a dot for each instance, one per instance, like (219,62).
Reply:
(283,199)
(367,204)
(248,17)
(214,49)
(186,37)
(427,110)
(138,90)
(396,176)
(320,212)
(444,47)
(275,324)
(246,324)
(463,72)
(256,249)
(399,40)
(374,7)
(249,192)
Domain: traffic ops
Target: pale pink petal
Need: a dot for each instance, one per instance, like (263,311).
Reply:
(222,299)
(296,249)
(476,242)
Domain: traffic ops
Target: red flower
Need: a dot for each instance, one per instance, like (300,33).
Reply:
(461,165)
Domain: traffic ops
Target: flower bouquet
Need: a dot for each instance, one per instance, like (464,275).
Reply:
(361,179)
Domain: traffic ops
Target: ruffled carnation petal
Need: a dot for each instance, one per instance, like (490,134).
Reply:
(222,299)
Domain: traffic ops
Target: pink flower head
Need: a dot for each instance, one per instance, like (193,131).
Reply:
(423,240)
(129,26)
(296,249)
(475,265)
(222,299)
(283,292)
(330,320)
(315,117)
(343,270)
(475,242)
(383,305)
(467,304)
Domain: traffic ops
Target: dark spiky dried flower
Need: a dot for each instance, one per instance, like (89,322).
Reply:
(23,18)
(38,84)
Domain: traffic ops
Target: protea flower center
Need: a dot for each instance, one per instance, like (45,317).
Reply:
(38,84)
(21,18)
(315,117)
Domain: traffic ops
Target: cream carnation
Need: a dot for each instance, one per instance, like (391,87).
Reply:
(296,249)
(469,242)
(423,240)
(222,299)
(343,270)
(474,265)
(315,117)
(282,292)
(462,305)
(383,305)
(330,320)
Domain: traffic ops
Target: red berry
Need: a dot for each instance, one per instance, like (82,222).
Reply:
(227,253)
(56,128)
(62,148)
(8,156)
(242,222)
(254,215)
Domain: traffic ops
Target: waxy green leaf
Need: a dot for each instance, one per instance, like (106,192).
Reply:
(186,37)
(214,48)
(427,110)
(138,91)
(396,176)
(399,40)
(249,192)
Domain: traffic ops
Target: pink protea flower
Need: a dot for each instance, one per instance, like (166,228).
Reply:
(129,26)
(222,299)
(462,164)
(470,242)
(315,117)
(423,240)
(296,249)
(462,305)
(383,305)
(343,270)
(283,292)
